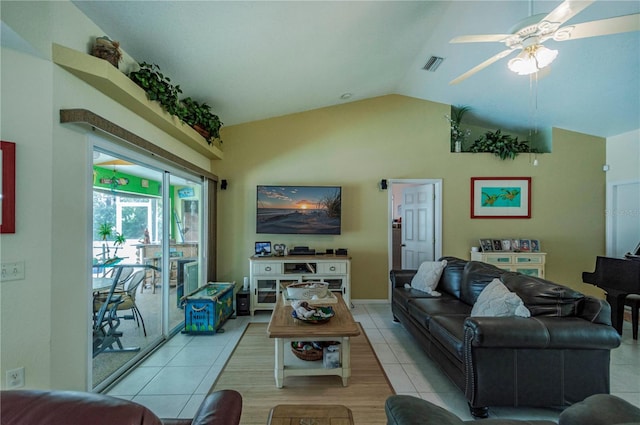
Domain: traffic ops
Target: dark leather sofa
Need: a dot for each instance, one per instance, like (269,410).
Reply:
(598,409)
(558,356)
(40,407)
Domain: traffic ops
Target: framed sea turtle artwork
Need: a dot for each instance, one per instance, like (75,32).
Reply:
(500,197)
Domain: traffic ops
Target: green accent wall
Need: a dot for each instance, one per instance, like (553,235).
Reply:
(127,183)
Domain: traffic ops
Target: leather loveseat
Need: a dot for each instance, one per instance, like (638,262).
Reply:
(598,409)
(558,356)
(40,407)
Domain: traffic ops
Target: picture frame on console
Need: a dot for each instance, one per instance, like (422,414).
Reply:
(263,249)
(500,197)
(509,245)
(486,245)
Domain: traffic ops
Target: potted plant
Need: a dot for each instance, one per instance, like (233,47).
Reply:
(199,116)
(118,242)
(458,135)
(502,145)
(158,87)
(105,231)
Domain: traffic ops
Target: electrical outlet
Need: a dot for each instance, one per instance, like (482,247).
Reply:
(15,378)
(12,271)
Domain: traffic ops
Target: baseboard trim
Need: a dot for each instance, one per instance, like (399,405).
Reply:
(377,301)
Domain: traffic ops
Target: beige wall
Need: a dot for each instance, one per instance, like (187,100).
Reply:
(394,137)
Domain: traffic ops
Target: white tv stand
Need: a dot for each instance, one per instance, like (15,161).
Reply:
(268,275)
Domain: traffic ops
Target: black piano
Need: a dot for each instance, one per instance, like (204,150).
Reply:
(619,277)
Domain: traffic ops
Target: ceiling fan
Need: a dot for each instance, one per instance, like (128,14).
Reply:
(529,35)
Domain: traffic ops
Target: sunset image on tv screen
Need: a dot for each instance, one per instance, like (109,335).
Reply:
(298,210)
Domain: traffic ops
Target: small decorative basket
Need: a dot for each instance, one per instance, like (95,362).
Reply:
(305,350)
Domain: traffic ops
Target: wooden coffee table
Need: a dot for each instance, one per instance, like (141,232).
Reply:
(306,414)
(284,328)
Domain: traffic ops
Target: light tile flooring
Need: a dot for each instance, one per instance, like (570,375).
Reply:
(173,381)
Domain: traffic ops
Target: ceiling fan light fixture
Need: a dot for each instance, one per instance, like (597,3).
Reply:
(532,59)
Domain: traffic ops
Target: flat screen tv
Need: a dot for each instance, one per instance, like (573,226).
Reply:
(299,210)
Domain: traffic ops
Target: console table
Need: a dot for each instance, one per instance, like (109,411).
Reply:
(268,275)
(529,263)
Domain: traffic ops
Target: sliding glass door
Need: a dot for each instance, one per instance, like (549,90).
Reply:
(184,250)
(146,250)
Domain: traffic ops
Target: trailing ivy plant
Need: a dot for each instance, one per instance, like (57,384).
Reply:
(198,114)
(501,145)
(158,87)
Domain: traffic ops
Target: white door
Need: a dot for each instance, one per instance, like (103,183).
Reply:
(418,225)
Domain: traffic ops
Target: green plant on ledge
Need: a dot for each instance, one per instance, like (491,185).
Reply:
(158,87)
(501,145)
(458,135)
(199,116)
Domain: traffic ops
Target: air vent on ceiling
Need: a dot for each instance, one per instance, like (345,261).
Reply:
(433,63)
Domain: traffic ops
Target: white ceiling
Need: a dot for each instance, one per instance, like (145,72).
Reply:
(260,59)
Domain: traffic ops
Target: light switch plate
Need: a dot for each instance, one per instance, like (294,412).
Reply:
(12,271)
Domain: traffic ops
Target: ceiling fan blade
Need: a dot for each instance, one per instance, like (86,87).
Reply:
(483,65)
(608,26)
(480,38)
(567,10)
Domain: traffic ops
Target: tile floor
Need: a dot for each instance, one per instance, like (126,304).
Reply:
(173,381)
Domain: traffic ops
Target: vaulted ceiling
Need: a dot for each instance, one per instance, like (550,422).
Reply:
(255,60)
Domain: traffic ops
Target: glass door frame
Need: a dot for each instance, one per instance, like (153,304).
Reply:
(103,144)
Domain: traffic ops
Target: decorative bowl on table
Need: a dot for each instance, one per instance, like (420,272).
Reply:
(321,315)
(307,290)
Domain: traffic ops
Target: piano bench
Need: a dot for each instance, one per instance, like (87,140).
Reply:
(633,300)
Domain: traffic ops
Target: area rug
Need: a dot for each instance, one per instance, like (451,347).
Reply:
(249,370)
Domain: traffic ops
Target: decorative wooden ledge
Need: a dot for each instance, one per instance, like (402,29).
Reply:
(88,119)
(103,76)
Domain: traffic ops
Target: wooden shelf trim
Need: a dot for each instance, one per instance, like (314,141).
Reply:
(103,76)
(93,121)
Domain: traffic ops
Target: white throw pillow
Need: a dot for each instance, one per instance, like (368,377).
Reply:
(496,300)
(427,277)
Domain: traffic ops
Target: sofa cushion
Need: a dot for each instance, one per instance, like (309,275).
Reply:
(496,300)
(428,276)
(402,296)
(542,297)
(448,330)
(475,277)
(451,278)
(422,309)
